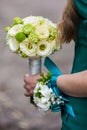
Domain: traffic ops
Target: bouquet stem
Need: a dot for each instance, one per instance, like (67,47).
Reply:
(34,68)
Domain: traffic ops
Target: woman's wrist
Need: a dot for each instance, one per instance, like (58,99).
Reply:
(59,80)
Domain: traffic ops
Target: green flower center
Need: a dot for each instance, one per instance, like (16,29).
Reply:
(42,47)
(29,46)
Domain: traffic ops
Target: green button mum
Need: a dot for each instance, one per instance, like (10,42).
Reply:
(20,36)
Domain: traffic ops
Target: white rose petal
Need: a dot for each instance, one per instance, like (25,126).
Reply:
(15,29)
(13,44)
(24,47)
(45,99)
(36,100)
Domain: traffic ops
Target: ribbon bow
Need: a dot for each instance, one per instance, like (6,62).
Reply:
(55,71)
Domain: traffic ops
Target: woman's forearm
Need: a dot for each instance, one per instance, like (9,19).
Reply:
(73,84)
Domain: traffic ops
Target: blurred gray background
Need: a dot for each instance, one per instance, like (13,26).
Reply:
(16,113)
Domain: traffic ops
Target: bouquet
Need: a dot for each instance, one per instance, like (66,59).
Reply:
(47,96)
(44,97)
(32,36)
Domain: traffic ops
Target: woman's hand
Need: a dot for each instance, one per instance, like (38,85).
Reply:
(30,83)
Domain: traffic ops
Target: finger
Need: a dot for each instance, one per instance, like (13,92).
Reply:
(26,87)
(27,94)
(27,79)
(29,88)
(31,92)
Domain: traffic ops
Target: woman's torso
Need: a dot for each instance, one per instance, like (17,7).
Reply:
(79,122)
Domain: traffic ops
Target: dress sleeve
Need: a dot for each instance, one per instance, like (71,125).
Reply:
(81,5)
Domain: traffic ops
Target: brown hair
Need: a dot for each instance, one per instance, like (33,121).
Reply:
(68,23)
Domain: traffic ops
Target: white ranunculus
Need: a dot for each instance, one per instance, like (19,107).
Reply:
(42,31)
(44,49)
(13,44)
(31,20)
(28,48)
(15,29)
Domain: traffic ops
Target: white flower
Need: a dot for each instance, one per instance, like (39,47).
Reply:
(46,91)
(42,31)
(47,21)
(42,96)
(31,20)
(28,48)
(44,48)
(13,44)
(15,29)
(44,106)
(55,46)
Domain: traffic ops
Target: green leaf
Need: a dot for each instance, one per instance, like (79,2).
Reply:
(20,36)
(39,95)
(45,78)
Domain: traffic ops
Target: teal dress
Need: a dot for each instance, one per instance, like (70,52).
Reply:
(79,122)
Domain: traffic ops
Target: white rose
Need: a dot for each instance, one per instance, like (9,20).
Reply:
(15,29)
(13,44)
(42,31)
(28,48)
(47,21)
(44,48)
(31,20)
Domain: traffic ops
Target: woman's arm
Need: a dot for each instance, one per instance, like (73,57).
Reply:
(73,84)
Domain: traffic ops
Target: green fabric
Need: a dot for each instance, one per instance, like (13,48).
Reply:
(82,7)
(80,64)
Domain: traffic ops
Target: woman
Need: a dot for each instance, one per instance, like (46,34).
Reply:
(73,25)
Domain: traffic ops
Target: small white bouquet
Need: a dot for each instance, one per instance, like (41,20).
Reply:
(44,97)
